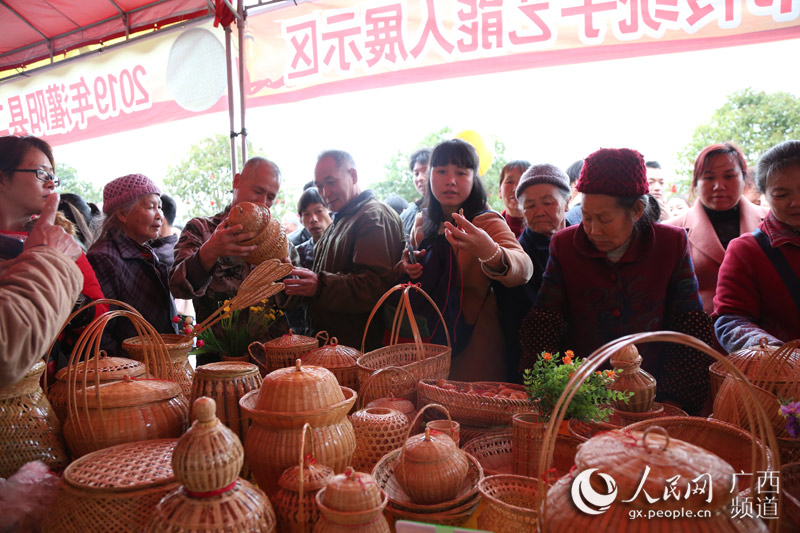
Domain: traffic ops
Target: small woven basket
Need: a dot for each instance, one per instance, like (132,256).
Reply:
(113,490)
(378,431)
(29,429)
(510,503)
(178,348)
(352,500)
(339,359)
(271,245)
(282,352)
(472,408)
(421,360)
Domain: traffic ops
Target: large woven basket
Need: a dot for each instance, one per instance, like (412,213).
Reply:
(473,408)
(29,429)
(421,360)
(114,490)
(178,348)
(510,503)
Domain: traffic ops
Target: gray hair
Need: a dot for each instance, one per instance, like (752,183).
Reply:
(257,161)
(780,156)
(341,158)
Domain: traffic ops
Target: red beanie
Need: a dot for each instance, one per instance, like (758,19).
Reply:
(615,172)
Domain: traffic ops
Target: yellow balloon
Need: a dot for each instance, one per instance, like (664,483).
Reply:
(485,152)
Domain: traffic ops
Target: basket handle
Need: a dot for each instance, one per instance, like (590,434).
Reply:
(362,394)
(306,429)
(427,432)
(322,337)
(254,358)
(655,429)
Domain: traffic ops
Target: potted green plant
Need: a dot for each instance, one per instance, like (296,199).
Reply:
(236,330)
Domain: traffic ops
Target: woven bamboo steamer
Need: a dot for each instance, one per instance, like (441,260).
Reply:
(208,456)
(29,429)
(421,360)
(178,348)
(113,490)
(133,410)
(339,359)
(352,499)
(295,502)
(378,431)
(226,382)
(756,415)
(111,369)
(431,468)
(283,351)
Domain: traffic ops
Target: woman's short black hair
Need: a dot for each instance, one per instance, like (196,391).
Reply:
(780,156)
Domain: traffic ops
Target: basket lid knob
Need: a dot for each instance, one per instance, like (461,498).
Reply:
(625,357)
(205,409)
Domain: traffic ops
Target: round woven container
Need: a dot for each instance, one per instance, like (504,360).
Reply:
(756,362)
(339,359)
(353,499)
(287,499)
(226,383)
(629,377)
(242,508)
(494,454)
(281,352)
(114,489)
(468,404)
(29,429)
(378,431)
(125,411)
(178,347)
(510,503)
(110,369)
(431,468)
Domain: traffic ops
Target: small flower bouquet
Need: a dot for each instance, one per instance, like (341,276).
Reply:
(791,412)
(548,378)
(237,329)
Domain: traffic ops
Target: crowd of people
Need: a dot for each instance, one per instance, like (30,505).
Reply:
(576,259)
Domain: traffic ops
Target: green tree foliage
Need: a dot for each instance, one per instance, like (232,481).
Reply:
(753,120)
(202,180)
(398,179)
(71,183)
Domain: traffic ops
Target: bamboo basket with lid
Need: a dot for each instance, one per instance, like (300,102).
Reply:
(756,415)
(178,348)
(354,501)
(283,351)
(421,360)
(109,368)
(29,429)
(758,362)
(295,502)
(339,359)
(113,490)
(288,399)
(105,414)
(212,498)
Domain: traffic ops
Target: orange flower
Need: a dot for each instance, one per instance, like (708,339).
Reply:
(609,373)
(569,353)
(546,356)
(571,374)
(599,373)
(567,359)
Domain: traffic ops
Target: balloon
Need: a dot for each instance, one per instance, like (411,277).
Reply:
(485,152)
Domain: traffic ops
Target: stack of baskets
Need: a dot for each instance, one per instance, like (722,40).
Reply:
(352,503)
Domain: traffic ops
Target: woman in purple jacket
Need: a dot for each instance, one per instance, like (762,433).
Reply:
(621,272)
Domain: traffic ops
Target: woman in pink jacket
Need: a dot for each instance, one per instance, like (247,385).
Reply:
(719,215)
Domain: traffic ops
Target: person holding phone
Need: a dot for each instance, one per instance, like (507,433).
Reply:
(462,246)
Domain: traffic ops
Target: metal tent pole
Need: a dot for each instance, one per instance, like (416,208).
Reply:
(242,96)
(230,98)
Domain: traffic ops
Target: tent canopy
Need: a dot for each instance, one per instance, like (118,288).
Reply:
(33,30)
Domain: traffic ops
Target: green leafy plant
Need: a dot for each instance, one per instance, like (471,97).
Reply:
(237,329)
(548,378)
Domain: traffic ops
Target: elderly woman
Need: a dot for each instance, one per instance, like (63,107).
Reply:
(758,293)
(126,265)
(509,178)
(719,215)
(620,272)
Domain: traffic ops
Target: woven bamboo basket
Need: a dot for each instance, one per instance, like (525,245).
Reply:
(397,379)
(273,244)
(339,359)
(494,453)
(288,399)
(100,415)
(352,500)
(470,433)
(790,489)
(510,503)
(295,501)
(468,405)
(227,383)
(421,360)
(548,510)
(754,362)
(178,348)
(110,368)
(378,431)
(631,378)
(584,431)
(270,237)
(283,351)
(29,429)
(114,490)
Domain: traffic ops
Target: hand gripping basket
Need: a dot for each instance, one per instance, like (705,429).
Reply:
(422,360)
(758,420)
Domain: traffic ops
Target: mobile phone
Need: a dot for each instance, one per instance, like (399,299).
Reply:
(411,257)
(10,247)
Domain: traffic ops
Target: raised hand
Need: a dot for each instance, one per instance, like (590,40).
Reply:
(466,236)
(44,233)
(226,241)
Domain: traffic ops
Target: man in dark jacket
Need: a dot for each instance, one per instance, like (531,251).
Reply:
(353,260)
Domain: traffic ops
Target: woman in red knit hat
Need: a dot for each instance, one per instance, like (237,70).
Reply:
(621,272)
(26,180)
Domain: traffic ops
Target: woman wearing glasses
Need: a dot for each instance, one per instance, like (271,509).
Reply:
(26,180)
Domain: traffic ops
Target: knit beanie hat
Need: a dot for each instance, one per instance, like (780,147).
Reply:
(126,189)
(615,172)
(544,173)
